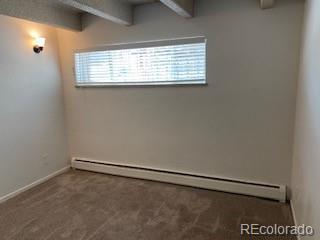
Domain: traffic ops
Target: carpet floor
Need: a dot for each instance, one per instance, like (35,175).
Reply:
(80,205)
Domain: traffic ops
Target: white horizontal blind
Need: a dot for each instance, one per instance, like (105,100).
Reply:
(154,63)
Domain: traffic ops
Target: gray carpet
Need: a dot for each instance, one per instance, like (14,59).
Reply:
(82,205)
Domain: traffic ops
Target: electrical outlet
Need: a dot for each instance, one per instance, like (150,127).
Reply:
(45,159)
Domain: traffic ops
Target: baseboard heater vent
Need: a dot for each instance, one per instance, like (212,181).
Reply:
(270,191)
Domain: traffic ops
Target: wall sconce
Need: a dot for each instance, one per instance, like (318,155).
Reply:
(39,44)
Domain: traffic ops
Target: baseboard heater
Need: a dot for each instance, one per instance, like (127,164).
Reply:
(269,191)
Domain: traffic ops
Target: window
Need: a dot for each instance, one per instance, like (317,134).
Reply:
(179,61)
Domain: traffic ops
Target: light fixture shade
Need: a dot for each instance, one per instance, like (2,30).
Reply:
(40,41)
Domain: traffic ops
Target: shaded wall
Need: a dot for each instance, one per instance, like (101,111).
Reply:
(306,161)
(32,130)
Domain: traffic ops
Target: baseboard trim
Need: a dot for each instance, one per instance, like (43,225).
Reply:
(264,190)
(294,216)
(35,183)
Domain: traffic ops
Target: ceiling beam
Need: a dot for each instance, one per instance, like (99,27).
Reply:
(42,12)
(113,10)
(265,4)
(184,8)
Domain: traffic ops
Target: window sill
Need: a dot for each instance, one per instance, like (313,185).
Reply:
(141,84)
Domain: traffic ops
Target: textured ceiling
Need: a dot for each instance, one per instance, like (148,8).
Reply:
(136,2)
(60,5)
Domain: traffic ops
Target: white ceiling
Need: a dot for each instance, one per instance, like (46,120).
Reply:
(67,13)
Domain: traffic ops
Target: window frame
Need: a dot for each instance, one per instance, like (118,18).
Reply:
(145,44)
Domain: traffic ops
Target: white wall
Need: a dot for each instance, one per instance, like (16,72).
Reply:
(306,163)
(32,132)
(239,126)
